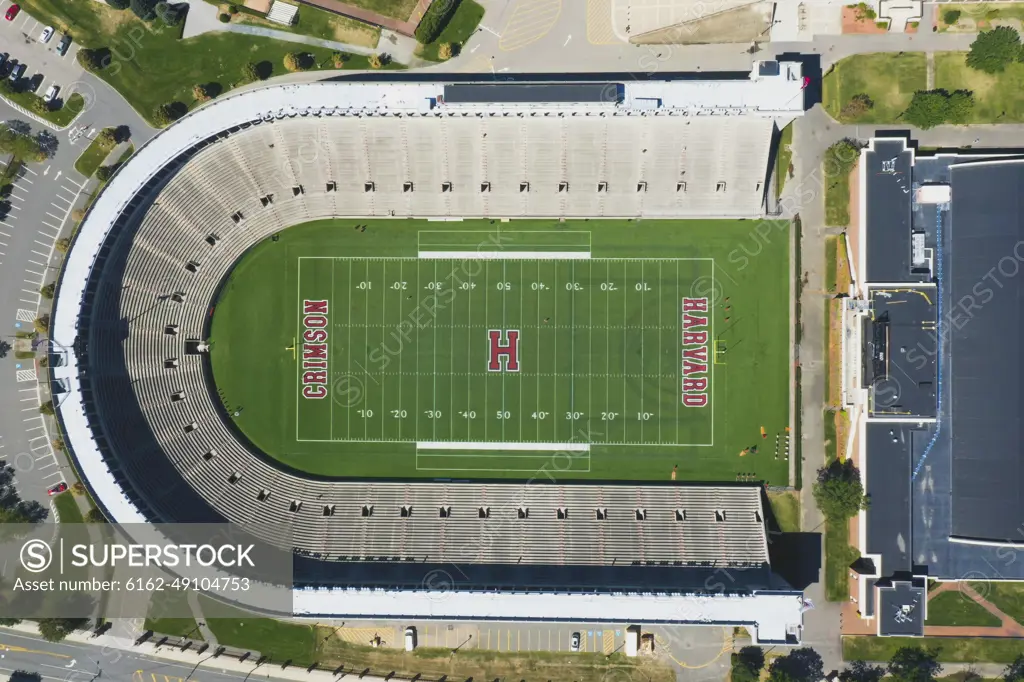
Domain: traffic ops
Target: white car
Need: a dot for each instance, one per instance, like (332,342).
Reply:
(51,93)
(47,33)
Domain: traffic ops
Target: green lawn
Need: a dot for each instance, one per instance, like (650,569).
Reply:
(152,66)
(889,79)
(399,9)
(953,608)
(951,649)
(997,98)
(61,116)
(838,557)
(979,16)
(67,508)
(837,200)
(93,157)
(407,351)
(1007,596)
(784,159)
(786,507)
(460,28)
(283,641)
(174,627)
(315,22)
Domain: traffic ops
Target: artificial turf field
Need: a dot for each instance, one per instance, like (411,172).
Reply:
(401,315)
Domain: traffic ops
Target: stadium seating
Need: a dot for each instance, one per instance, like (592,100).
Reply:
(153,290)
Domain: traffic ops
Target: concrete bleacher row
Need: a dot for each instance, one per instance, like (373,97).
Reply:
(153,294)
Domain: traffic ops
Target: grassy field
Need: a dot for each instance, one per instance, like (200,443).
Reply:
(461,26)
(1007,596)
(399,9)
(67,508)
(838,557)
(951,649)
(998,98)
(889,79)
(599,350)
(786,507)
(150,64)
(315,22)
(304,645)
(953,608)
(61,116)
(837,200)
(93,156)
(978,16)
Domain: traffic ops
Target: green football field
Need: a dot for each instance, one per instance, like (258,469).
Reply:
(569,350)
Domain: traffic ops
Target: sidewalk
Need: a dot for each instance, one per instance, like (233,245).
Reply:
(201,658)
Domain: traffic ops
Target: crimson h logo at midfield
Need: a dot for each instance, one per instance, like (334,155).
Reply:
(509,350)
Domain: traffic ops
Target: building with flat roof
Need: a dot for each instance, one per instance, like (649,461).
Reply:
(932,374)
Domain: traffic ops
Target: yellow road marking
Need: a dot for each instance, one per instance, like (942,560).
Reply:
(726,646)
(599,23)
(23,650)
(529,22)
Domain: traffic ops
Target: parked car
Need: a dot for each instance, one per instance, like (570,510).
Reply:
(51,93)
(34,82)
(410,638)
(47,33)
(3,60)
(17,71)
(12,12)
(57,489)
(574,642)
(65,43)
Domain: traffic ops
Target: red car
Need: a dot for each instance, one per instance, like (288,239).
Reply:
(12,12)
(58,489)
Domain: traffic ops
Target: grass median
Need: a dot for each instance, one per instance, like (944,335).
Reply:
(460,28)
(61,117)
(951,649)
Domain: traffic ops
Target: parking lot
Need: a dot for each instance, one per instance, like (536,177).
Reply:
(45,67)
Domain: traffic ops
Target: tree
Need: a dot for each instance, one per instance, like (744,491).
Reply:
(47,408)
(250,73)
(861,671)
(46,291)
(12,508)
(200,91)
(993,50)
(42,324)
(56,629)
(959,105)
(375,61)
(24,675)
(167,114)
(93,60)
(293,61)
(104,173)
(841,157)
(144,9)
(94,515)
(1015,671)
(927,109)
(799,665)
(747,664)
(858,105)
(20,143)
(58,444)
(839,491)
(119,4)
(5,348)
(339,59)
(435,19)
(224,18)
(950,16)
(444,51)
(62,244)
(914,664)
(108,137)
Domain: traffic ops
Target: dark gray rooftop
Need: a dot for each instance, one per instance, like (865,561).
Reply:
(901,369)
(889,198)
(887,483)
(901,608)
(534,93)
(984,326)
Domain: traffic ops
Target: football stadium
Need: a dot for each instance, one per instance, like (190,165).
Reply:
(931,376)
(530,336)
